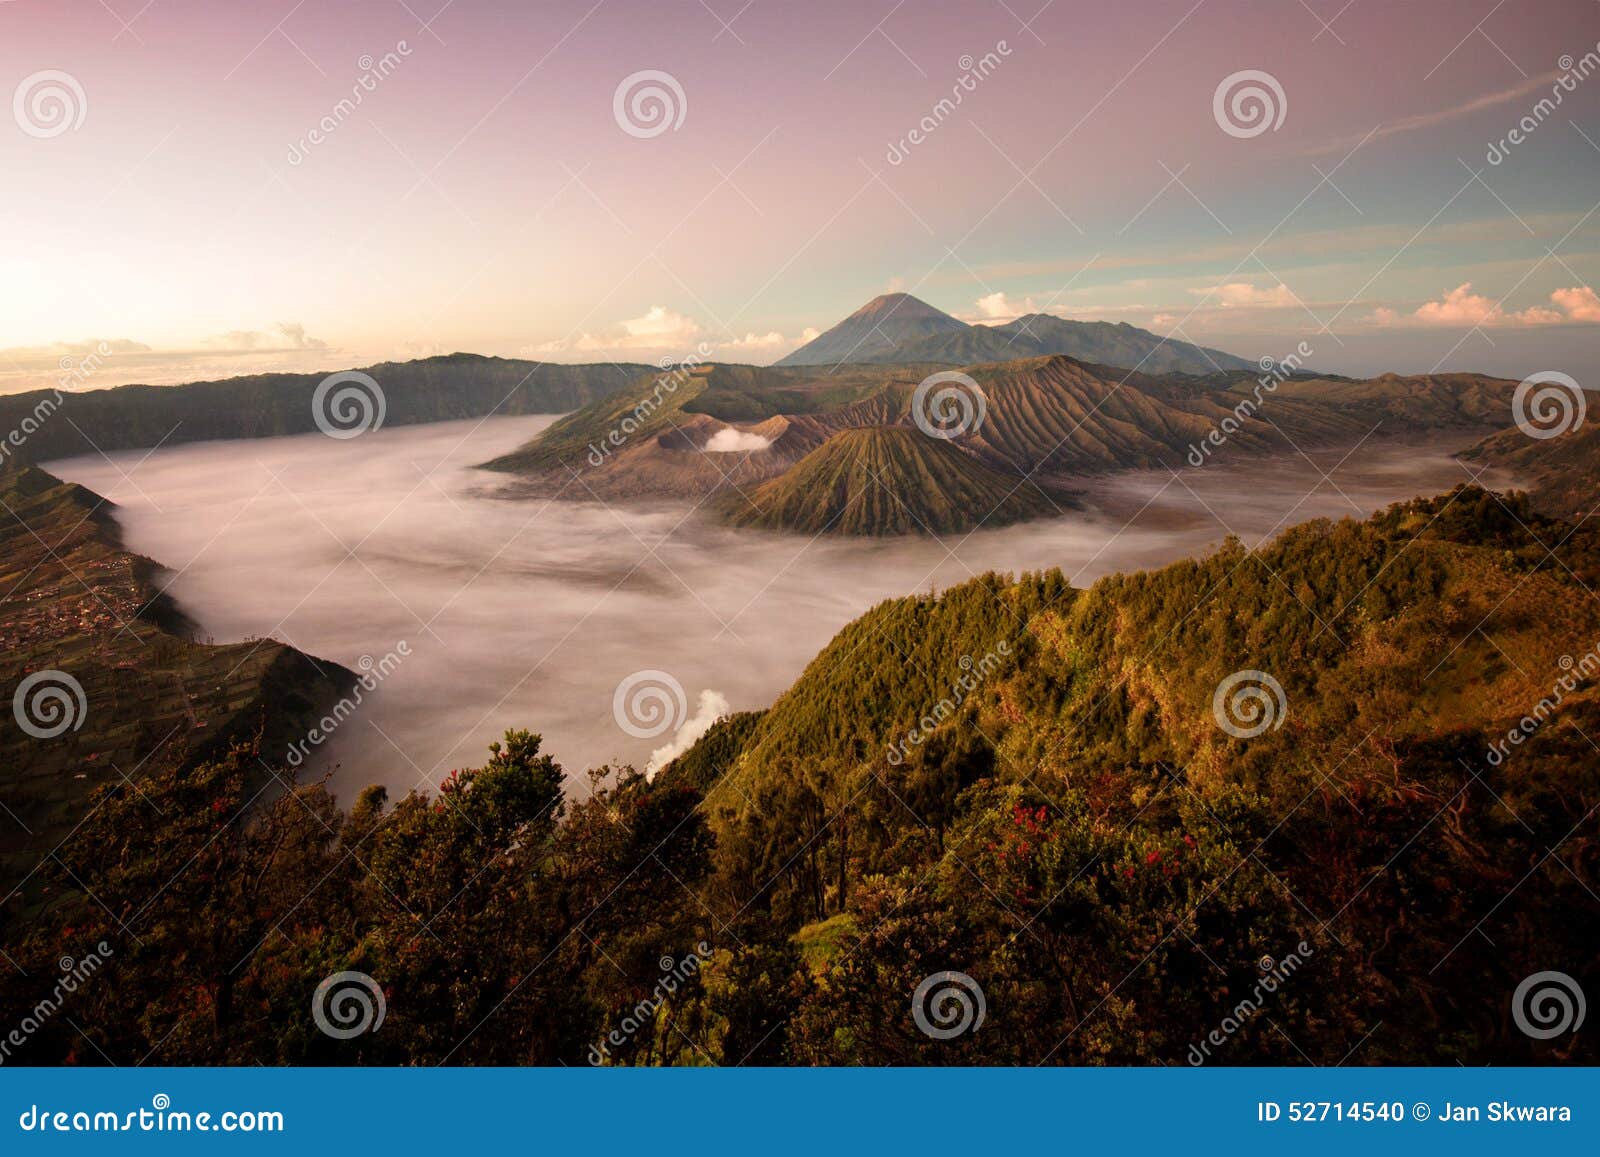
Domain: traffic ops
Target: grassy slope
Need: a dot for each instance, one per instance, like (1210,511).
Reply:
(887,480)
(1352,618)
(72,599)
(1565,470)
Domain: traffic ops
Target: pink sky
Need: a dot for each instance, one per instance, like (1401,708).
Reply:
(483,196)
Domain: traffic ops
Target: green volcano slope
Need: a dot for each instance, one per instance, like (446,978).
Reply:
(888,480)
(1031,784)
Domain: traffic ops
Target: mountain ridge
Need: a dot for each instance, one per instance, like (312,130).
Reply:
(897,327)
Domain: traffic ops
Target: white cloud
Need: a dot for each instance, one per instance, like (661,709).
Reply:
(1460,306)
(659,326)
(712,707)
(731,441)
(1580,303)
(997,309)
(1242,294)
(756,341)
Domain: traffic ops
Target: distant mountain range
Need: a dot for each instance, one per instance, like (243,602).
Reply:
(897,327)
(436,389)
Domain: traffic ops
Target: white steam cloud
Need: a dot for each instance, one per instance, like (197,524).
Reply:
(712,707)
(730,441)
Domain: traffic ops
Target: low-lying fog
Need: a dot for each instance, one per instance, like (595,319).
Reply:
(531,613)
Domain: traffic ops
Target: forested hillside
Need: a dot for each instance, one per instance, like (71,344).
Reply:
(1115,811)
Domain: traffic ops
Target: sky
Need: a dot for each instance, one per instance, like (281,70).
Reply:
(198,190)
